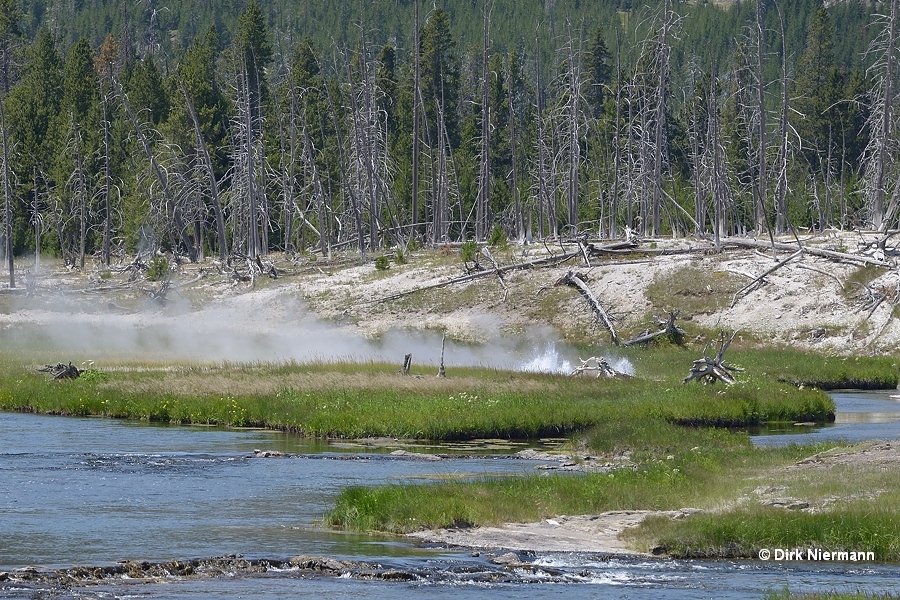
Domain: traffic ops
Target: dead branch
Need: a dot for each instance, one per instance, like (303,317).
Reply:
(578,280)
(666,328)
(490,257)
(710,370)
(758,281)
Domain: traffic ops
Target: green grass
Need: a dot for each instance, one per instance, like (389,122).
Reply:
(872,525)
(786,594)
(372,400)
(693,290)
(703,476)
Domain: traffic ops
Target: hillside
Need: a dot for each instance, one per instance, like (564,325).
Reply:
(317,309)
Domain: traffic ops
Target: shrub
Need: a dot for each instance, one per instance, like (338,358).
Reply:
(498,238)
(469,251)
(382,263)
(158,269)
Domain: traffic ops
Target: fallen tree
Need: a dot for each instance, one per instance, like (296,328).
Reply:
(61,371)
(666,328)
(710,370)
(600,365)
(578,280)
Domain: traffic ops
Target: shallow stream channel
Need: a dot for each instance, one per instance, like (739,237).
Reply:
(195,513)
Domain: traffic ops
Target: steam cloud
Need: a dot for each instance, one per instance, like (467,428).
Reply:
(265,325)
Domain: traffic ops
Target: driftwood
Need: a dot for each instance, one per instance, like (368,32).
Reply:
(710,370)
(600,365)
(61,371)
(666,328)
(578,280)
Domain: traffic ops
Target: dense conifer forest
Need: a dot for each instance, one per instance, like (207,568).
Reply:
(240,128)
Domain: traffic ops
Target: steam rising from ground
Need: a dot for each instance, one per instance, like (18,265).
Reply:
(263,325)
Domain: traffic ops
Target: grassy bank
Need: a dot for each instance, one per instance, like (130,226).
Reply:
(870,526)
(363,400)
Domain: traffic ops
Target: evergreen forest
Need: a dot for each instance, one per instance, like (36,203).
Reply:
(239,128)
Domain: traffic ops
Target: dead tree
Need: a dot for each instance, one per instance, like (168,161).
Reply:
(599,365)
(207,165)
(7,200)
(173,207)
(666,327)
(710,370)
(577,280)
(879,158)
(61,371)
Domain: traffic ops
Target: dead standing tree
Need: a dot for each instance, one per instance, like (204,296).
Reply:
(880,159)
(173,208)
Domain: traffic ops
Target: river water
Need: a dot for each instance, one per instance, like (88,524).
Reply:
(97,491)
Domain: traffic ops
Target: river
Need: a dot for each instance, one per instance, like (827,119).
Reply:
(99,491)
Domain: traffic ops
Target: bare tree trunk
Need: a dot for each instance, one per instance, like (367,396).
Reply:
(781,215)
(107,184)
(762,168)
(7,199)
(417,99)
(885,127)
(171,201)
(514,174)
(210,173)
(484,173)
(660,118)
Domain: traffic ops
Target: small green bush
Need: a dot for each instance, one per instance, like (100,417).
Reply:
(469,251)
(400,258)
(158,269)
(498,238)
(382,263)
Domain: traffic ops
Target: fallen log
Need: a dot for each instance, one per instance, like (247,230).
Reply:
(811,250)
(758,281)
(549,260)
(61,371)
(710,370)
(578,280)
(600,365)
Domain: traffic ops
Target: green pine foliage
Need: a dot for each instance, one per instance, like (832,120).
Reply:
(306,112)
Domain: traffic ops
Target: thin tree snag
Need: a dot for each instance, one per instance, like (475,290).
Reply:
(710,370)
(600,365)
(758,281)
(407,363)
(666,328)
(578,280)
(550,260)
(441,372)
